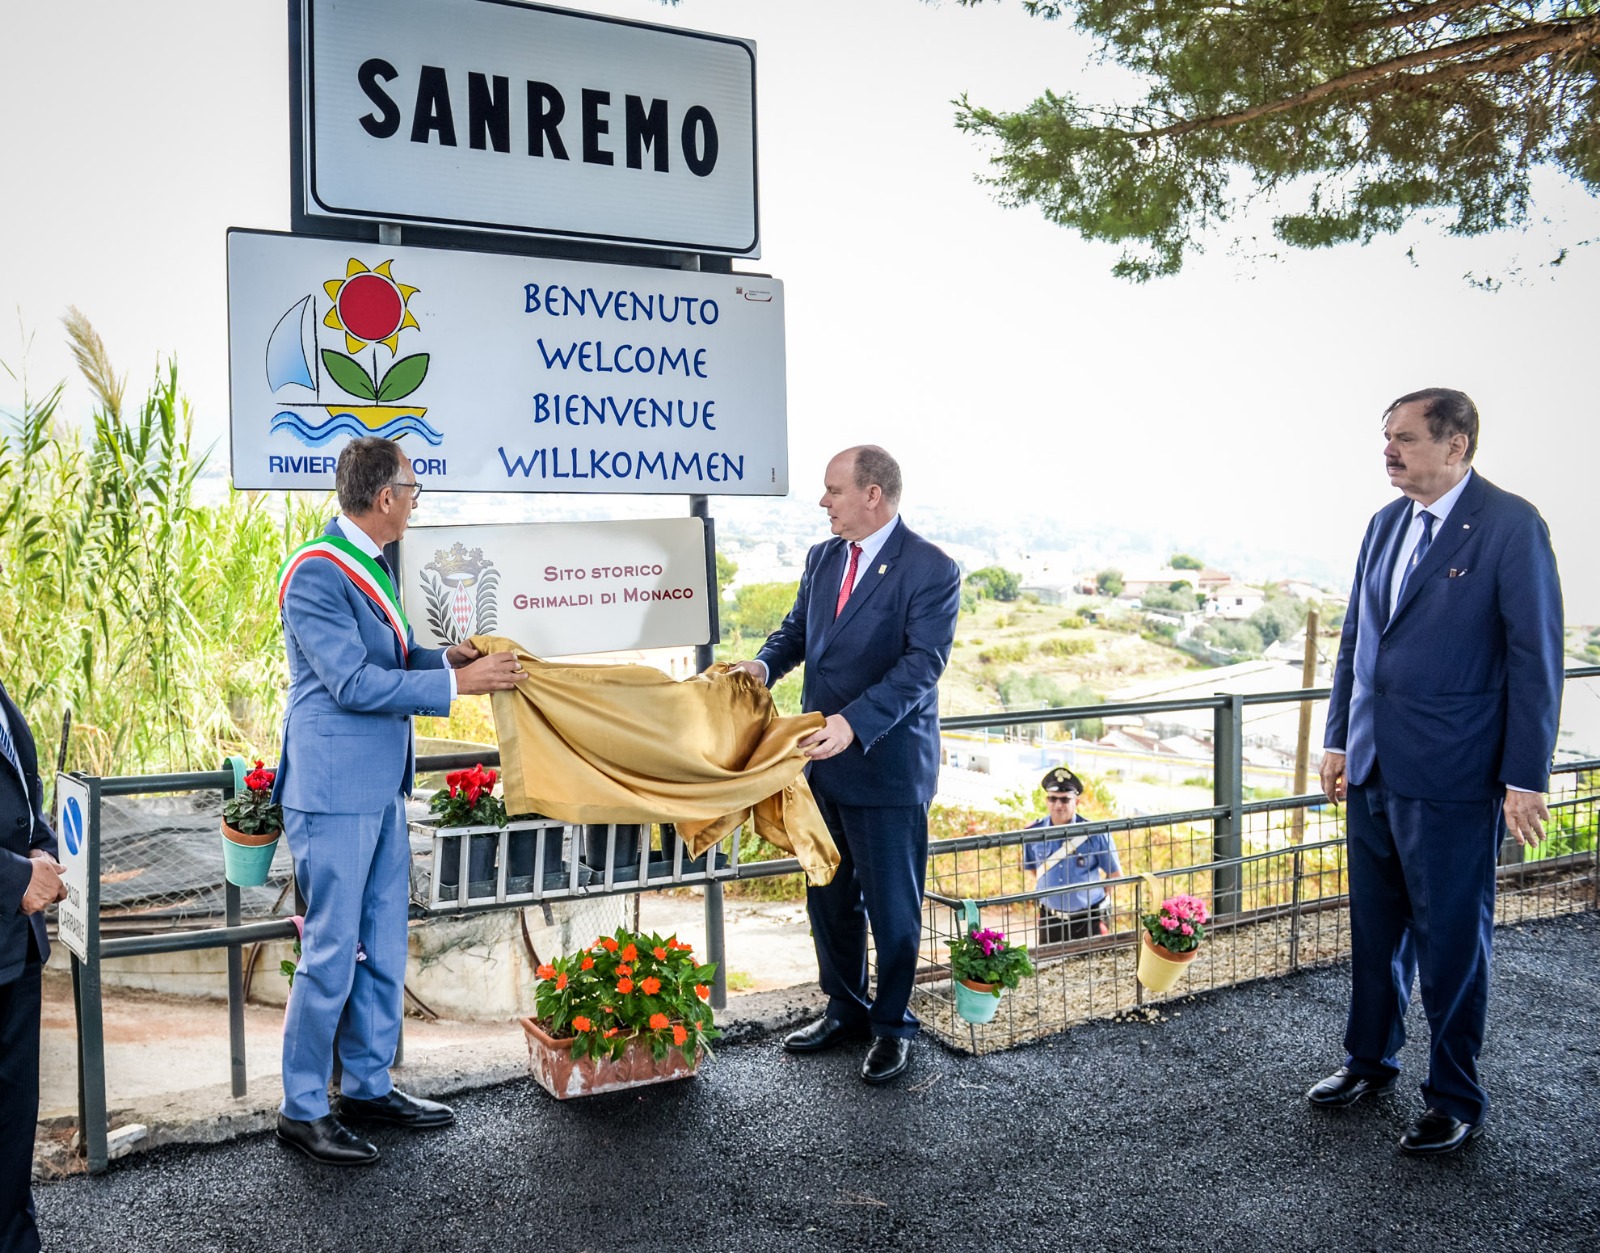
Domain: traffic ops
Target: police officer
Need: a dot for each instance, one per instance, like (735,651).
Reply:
(1075,862)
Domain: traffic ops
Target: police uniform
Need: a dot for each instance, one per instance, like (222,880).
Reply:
(1074,863)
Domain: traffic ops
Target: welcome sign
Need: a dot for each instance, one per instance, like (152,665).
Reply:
(502,373)
(501,116)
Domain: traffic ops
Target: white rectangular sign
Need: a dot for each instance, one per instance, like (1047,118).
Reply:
(72,837)
(559,588)
(501,116)
(503,373)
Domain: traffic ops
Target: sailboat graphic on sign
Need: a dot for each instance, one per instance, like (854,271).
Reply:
(371,308)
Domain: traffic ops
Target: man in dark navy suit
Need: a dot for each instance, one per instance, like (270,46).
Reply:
(1441,725)
(30,880)
(873,622)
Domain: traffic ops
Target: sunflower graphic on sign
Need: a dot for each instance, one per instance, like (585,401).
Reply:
(368,309)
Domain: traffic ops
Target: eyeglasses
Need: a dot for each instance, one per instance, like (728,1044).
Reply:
(416,488)
(1060,798)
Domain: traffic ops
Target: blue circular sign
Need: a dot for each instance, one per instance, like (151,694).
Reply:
(72,825)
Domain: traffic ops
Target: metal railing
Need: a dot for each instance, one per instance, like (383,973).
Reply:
(1289,909)
(1295,887)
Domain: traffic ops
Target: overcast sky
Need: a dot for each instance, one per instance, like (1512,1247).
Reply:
(992,352)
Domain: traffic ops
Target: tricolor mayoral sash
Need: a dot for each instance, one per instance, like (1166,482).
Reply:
(360,569)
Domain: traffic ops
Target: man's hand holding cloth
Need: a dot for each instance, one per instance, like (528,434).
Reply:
(589,743)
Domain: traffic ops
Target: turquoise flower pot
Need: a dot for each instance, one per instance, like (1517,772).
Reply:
(976,1002)
(246,865)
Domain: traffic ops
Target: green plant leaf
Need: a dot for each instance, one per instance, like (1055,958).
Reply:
(403,378)
(348,374)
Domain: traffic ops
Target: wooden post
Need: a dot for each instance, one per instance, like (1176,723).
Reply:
(1302,747)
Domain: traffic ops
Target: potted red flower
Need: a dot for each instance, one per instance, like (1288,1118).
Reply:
(251,827)
(470,817)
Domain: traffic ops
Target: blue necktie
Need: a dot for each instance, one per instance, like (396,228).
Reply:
(9,749)
(1420,551)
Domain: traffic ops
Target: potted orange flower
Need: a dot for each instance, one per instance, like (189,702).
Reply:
(630,1009)
(251,826)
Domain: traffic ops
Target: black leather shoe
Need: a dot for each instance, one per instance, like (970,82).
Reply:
(822,1034)
(1343,1088)
(398,1108)
(326,1140)
(1437,1132)
(887,1059)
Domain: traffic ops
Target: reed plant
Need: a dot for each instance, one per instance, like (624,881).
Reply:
(152,619)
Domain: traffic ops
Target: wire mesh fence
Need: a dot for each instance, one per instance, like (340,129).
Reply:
(1290,907)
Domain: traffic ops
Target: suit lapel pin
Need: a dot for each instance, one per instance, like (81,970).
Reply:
(1466,526)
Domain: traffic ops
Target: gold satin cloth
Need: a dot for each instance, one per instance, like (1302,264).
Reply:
(588,743)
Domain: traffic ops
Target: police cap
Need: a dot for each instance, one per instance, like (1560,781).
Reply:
(1061,780)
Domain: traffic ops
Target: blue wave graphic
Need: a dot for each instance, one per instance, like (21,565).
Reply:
(314,435)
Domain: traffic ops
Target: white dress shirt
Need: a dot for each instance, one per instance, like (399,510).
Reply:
(368,545)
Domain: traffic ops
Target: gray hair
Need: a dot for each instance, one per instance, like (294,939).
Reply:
(1448,412)
(366,466)
(874,465)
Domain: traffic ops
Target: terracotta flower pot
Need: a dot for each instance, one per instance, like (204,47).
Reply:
(1160,968)
(562,1075)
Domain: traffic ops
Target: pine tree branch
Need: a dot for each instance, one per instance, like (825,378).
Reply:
(1507,50)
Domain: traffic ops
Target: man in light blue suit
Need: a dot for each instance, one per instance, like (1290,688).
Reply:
(356,678)
(1446,700)
(873,622)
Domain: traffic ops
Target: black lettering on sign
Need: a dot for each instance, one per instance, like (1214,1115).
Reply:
(489,112)
(594,126)
(646,128)
(546,108)
(701,156)
(386,121)
(433,108)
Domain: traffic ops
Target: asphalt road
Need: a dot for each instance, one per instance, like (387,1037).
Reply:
(1186,1134)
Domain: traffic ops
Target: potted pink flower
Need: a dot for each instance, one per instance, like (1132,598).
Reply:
(1170,939)
(982,963)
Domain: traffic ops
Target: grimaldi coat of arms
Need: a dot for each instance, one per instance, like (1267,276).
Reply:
(461,588)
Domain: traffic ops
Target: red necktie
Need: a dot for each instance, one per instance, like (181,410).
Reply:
(849,579)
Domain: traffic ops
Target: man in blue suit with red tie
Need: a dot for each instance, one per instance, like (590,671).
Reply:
(356,677)
(873,622)
(1441,725)
(30,881)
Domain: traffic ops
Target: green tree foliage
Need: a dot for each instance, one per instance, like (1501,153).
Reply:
(727,568)
(1170,598)
(1239,639)
(1019,690)
(1352,117)
(1109,582)
(1279,618)
(758,610)
(995,583)
(1085,728)
(999,654)
(1183,561)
